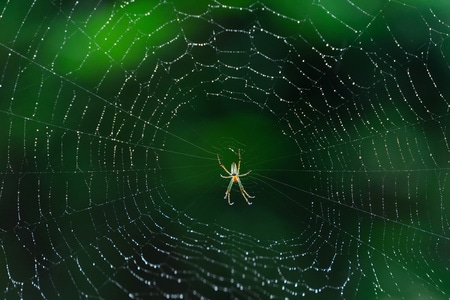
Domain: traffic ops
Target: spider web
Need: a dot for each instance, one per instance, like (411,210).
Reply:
(113,113)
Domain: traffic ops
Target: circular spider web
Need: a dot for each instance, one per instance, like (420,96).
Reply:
(114,112)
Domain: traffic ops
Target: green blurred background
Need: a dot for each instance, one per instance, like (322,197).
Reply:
(114,113)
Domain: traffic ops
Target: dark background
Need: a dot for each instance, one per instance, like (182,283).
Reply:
(113,114)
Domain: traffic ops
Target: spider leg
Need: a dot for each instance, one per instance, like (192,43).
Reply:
(244,193)
(239,160)
(230,176)
(227,193)
(223,167)
(240,175)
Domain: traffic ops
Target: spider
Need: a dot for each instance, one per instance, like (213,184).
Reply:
(234,175)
